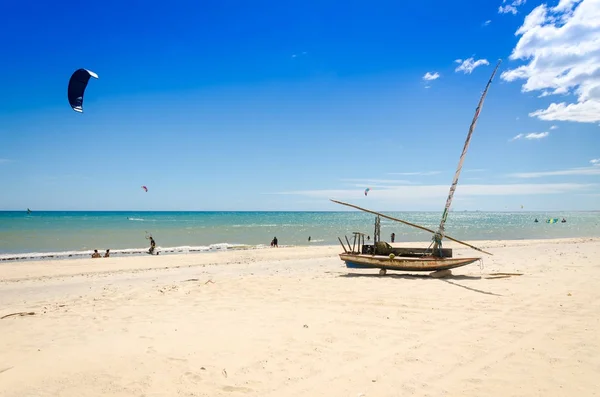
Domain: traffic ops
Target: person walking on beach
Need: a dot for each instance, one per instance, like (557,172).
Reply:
(393,237)
(152,246)
(274,242)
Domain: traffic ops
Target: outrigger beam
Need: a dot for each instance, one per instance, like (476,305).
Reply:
(409,224)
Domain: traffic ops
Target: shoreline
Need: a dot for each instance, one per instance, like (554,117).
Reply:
(222,247)
(11,271)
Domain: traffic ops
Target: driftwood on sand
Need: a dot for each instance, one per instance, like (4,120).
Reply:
(18,314)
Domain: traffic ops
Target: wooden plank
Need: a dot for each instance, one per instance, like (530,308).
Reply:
(385,249)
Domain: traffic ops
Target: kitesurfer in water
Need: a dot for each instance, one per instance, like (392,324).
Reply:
(536,220)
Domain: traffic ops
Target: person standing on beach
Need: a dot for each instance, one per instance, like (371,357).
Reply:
(393,237)
(152,246)
(274,242)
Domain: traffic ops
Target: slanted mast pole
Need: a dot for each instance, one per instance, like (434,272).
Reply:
(439,235)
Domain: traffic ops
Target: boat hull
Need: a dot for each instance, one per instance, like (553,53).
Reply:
(422,264)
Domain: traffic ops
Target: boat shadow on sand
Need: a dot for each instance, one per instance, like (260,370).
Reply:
(448,279)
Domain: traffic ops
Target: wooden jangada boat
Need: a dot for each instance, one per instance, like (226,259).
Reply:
(381,255)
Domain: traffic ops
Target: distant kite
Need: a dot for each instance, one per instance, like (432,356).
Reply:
(145,188)
(77,84)
(367,190)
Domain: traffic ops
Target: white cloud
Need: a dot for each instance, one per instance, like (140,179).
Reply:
(571,171)
(554,127)
(530,136)
(561,47)
(486,23)
(431,76)
(510,7)
(468,65)
(595,162)
(3,161)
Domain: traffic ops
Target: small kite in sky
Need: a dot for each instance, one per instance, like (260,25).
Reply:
(145,188)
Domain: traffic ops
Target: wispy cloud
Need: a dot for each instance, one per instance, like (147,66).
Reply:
(571,171)
(511,7)
(380,183)
(595,162)
(404,194)
(538,135)
(431,76)
(514,138)
(530,136)
(474,170)
(297,55)
(4,161)
(423,173)
(486,23)
(468,65)
(554,127)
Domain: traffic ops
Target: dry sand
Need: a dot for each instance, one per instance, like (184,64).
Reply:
(296,322)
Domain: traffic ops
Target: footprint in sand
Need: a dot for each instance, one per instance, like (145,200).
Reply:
(192,377)
(238,389)
(177,359)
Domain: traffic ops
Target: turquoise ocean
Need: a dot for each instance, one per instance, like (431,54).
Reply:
(74,234)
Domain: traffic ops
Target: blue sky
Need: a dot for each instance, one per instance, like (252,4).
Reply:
(283,105)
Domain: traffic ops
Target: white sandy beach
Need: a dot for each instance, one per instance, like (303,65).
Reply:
(296,322)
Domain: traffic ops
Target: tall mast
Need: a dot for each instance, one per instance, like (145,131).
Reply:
(439,235)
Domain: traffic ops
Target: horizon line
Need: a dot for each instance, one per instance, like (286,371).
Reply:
(306,211)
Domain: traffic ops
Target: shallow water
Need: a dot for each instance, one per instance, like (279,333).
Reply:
(78,233)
